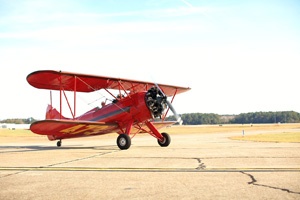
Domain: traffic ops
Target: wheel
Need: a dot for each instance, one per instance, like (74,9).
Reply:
(58,143)
(166,140)
(123,141)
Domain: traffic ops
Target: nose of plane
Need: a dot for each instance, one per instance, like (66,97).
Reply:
(156,102)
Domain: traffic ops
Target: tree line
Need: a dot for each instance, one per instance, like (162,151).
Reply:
(18,121)
(267,117)
(211,118)
(243,118)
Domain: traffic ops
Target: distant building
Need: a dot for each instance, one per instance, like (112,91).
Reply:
(14,126)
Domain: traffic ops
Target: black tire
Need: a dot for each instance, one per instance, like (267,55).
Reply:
(58,143)
(123,141)
(166,140)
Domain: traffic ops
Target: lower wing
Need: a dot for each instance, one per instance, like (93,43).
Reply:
(60,129)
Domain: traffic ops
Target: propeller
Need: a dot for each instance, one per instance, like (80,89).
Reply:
(178,118)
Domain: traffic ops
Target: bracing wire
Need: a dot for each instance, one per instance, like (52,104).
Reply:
(102,96)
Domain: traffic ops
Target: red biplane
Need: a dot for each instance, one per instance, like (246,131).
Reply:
(132,111)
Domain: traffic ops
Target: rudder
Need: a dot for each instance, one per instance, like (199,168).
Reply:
(52,113)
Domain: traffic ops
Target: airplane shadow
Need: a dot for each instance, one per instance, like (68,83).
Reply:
(15,149)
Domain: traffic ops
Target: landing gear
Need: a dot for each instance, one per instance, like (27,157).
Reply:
(123,141)
(58,143)
(166,140)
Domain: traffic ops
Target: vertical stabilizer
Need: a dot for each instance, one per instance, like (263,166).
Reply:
(52,113)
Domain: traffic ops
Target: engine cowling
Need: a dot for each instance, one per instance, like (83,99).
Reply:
(156,102)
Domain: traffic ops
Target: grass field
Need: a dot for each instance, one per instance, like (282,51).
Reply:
(17,133)
(276,137)
(227,128)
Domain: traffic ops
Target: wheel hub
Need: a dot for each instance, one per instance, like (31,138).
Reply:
(122,141)
(163,140)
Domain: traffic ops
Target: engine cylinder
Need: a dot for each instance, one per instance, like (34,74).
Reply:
(156,102)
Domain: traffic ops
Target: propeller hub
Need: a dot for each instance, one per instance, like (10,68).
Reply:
(156,102)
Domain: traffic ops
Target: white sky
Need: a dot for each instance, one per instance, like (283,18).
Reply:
(237,56)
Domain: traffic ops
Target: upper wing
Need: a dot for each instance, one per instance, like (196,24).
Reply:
(56,80)
(69,128)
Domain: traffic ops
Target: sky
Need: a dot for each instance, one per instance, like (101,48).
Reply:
(237,56)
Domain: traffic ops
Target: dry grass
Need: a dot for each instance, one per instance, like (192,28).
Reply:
(17,133)
(276,137)
(227,128)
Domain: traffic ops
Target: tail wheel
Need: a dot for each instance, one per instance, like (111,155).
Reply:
(58,144)
(123,141)
(166,140)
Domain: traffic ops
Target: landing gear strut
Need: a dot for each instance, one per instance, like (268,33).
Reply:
(58,143)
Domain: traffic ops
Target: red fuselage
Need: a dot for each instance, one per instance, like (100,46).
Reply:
(128,108)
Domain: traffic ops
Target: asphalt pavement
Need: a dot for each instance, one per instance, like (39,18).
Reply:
(194,166)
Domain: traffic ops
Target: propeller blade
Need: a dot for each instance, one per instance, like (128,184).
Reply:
(178,118)
(160,89)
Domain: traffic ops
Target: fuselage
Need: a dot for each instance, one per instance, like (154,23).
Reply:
(129,108)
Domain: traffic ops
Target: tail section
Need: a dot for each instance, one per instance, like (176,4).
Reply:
(52,113)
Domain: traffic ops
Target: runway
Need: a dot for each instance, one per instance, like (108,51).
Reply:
(194,166)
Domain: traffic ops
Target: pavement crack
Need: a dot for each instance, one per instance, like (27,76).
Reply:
(254,182)
(69,161)
(79,159)
(16,173)
(201,165)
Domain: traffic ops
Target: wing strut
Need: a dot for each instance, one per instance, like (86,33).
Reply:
(169,107)
(62,90)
